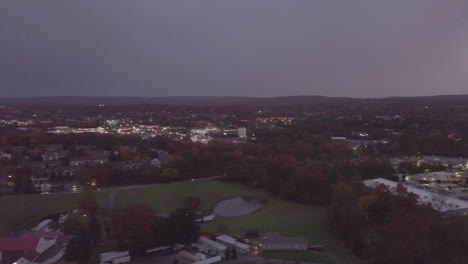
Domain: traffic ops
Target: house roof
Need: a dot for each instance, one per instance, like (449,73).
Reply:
(43,234)
(18,243)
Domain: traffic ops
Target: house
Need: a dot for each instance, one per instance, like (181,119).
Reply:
(5,155)
(155,163)
(36,164)
(15,248)
(88,160)
(230,241)
(41,184)
(55,155)
(274,241)
(128,165)
(58,172)
(33,247)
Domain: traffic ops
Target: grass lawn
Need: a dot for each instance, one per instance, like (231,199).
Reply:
(297,255)
(289,219)
(15,208)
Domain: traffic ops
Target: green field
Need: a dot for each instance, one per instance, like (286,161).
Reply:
(289,219)
(15,208)
(277,216)
(298,255)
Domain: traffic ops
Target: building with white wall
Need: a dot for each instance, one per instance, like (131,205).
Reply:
(230,241)
(213,246)
(440,200)
(242,132)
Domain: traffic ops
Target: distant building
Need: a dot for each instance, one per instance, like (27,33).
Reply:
(338,138)
(440,200)
(54,155)
(242,132)
(34,164)
(41,184)
(88,160)
(447,161)
(155,163)
(205,130)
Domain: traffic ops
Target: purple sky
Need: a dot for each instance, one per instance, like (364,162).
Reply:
(356,48)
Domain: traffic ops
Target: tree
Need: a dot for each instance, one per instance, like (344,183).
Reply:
(192,203)
(87,202)
(183,222)
(75,224)
(133,227)
(23,182)
(180,227)
(95,230)
(96,175)
(170,175)
(79,247)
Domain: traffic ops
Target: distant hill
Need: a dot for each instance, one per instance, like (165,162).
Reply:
(224,101)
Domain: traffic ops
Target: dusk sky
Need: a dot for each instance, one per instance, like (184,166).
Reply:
(355,48)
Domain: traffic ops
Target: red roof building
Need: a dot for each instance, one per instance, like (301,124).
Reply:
(13,248)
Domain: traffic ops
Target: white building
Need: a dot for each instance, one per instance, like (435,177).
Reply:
(213,246)
(205,130)
(43,225)
(440,200)
(230,241)
(198,258)
(242,132)
(41,184)
(156,163)
(201,139)
(109,257)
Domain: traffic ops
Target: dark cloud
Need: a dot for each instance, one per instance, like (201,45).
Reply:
(359,48)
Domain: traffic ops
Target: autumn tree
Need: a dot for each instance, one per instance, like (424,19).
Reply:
(87,202)
(79,247)
(192,203)
(133,228)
